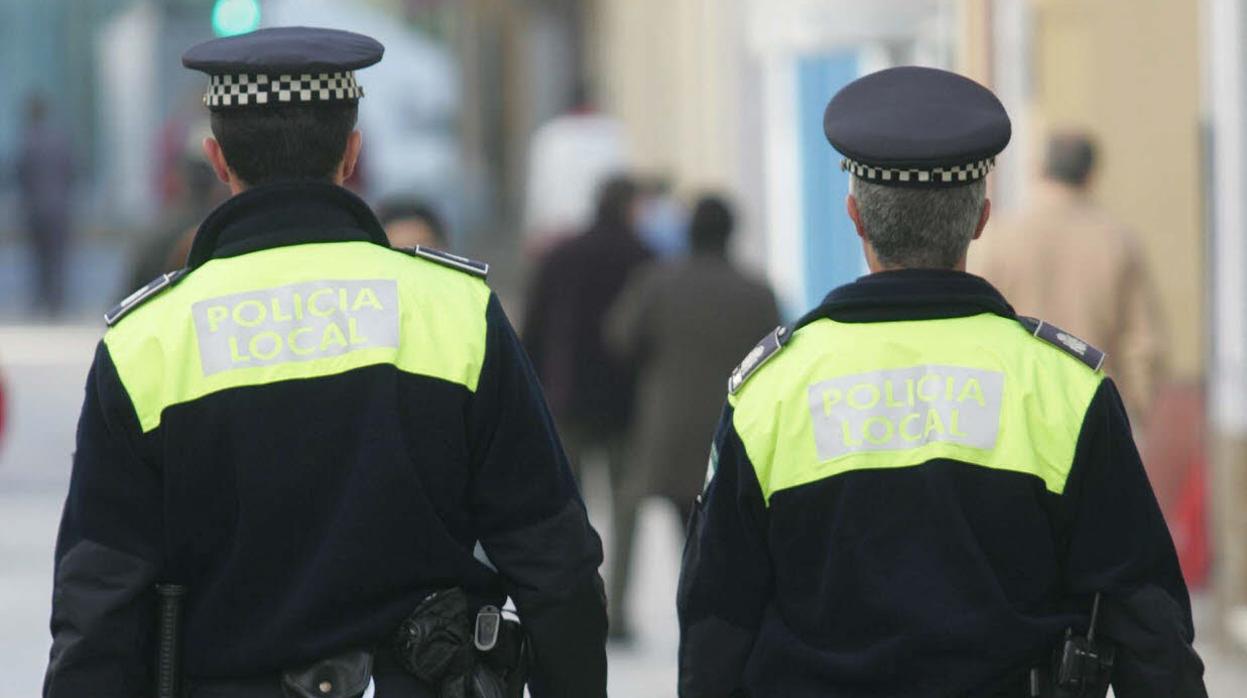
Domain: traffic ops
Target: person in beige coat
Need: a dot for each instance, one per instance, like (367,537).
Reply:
(1064,259)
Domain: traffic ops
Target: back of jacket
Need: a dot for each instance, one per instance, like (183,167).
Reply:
(914,496)
(312,435)
(566,307)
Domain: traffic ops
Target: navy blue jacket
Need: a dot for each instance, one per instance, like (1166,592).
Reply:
(311,516)
(940,578)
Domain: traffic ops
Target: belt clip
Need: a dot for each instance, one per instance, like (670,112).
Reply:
(488,625)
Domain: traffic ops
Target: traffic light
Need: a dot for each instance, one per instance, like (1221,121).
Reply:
(230,17)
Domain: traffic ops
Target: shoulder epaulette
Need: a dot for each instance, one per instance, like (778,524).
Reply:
(1065,341)
(760,354)
(141,296)
(446,259)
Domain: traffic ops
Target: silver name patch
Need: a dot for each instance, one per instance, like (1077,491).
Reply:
(298,322)
(904,408)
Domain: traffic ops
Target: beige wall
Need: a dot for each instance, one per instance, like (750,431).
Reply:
(668,69)
(1129,72)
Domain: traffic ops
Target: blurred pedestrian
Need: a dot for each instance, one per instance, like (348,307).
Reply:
(194,191)
(45,171)
(1065,259)
(410,222)
(684,324)
(590,391)
(570,157)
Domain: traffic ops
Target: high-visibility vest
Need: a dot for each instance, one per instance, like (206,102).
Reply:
(982,390)
(297,312)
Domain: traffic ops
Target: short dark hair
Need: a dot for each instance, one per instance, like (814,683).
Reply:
(1070,158)
(402,209)
(711,225)
(616,196)
(287,142)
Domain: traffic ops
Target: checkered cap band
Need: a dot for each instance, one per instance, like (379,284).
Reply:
(957,174)
(252,90)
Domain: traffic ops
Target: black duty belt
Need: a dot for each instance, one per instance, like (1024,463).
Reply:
(390,681)
(1034,682)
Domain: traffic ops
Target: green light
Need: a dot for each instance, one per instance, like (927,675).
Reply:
(230,17)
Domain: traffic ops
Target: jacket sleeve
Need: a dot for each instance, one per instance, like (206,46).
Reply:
(626,331)
(1118,544)
(725,580)
(108,552)
(532,522)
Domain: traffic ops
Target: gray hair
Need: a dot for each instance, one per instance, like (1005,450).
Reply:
(919,228)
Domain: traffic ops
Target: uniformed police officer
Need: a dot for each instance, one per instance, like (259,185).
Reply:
(310,431)
(913,491)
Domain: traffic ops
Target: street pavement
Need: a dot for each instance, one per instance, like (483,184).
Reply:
(44,368)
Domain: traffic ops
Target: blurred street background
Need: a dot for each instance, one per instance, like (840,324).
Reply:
(491,127)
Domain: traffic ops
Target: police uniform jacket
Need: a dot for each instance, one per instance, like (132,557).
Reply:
(915,496)
(313,432)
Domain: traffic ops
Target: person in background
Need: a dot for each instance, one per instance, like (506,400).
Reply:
(45,173)
(411,222)
(590,391)
(195,191)
(683,324)
(569,159)
(1065,259)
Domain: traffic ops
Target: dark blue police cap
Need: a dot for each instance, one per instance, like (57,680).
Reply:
(283,65)
(917,127)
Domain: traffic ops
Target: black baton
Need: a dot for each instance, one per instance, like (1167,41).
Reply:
(168,638)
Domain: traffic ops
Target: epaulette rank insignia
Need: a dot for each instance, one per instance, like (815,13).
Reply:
(446,259)
(759,355)
(141,296)
(1065,341)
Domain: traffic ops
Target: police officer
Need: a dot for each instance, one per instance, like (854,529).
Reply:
(310,431)
(912,490)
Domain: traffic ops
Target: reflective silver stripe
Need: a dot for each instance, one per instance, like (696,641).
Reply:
(137,298)
(470,266)
(298,322)
(905,408)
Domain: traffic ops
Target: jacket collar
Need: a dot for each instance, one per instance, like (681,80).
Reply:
(911,294)
(284,213)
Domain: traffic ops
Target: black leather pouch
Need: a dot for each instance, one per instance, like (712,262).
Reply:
(434,644)
(344,676)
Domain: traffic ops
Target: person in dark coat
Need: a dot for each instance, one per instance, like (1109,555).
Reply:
(589,390)
(683,324)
